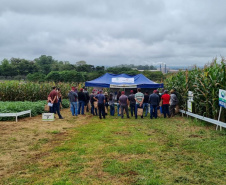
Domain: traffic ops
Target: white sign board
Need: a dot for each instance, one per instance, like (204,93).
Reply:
(190,96)
(189,106)
(222,98)
(47,116)
(122,80)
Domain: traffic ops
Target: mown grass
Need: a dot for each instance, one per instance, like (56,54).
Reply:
(129,151)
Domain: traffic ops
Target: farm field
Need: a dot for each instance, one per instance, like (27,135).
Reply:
(86,150)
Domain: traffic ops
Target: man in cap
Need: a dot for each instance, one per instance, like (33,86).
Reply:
(53,99)
(124,102)
(81,101)
(132,101)
(73,96)
(92,100)
(87,99)
(154,103)
(101,101)
(139,97)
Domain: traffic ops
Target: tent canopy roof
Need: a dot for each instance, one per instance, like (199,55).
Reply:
(123,81)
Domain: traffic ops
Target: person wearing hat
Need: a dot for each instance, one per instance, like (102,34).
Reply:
(72,95)
(87,99)
(132,103)
(54,100)
(106,101)
(92,100)
(139,97)
(112,105)
(154,103)
(145,103)
(81,101)
(165,103)
(118,105)
(101,101)
(124,102)
(173,102)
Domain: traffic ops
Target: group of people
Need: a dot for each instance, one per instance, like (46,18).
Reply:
(100,102)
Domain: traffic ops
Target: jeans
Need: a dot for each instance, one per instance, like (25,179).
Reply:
(81,105)
(132,109)
(93,110)
(153,109)
(126,109)
(165,110)
(101,110)
(118,107)
(55,109)
(112,110)
(145,105)
(74,108)
(136,107)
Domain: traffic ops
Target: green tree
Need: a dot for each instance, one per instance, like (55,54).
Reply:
(45,63)
(36,77)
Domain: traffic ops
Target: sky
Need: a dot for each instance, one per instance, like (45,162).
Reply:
(114,32)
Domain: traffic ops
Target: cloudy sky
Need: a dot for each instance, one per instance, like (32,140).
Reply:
(111,32)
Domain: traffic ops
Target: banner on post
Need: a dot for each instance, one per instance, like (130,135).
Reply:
(190,100)
(222,98)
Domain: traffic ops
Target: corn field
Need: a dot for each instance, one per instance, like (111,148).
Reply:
(205,84)
(29,91)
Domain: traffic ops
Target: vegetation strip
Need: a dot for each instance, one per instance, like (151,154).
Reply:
(126,151)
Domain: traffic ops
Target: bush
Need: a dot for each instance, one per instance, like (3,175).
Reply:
(18,106)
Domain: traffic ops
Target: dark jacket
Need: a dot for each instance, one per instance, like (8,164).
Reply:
(72,96)
(81,96)
(154,99)
(131,98)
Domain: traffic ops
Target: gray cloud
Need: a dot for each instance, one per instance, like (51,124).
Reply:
(114,32)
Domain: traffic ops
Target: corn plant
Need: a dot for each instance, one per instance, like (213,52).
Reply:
(205,84)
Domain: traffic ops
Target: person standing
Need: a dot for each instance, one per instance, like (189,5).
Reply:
(118,106)
(112,105)
(101,101)
(53,99)
(145,103)
(92,100)
(165,103)
(139,97)
(154,103)
(81,101)
(173,102)
(132,101)
(87,98)
(124,102)
(59,97)
(73,96)
(106,101)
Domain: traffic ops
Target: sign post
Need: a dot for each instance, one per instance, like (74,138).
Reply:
(222,103)
(47,116)
(190,100)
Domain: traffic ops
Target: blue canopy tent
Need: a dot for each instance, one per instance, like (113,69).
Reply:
(123,81)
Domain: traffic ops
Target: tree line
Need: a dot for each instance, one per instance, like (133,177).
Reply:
(45,68)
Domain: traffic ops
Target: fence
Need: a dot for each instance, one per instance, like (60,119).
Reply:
(213,121)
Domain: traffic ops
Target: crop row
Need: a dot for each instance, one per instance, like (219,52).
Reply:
(29,91)
(18,106)
(205,84)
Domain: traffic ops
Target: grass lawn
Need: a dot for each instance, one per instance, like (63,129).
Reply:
(86,150)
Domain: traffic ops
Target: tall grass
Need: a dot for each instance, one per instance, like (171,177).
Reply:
(205,84)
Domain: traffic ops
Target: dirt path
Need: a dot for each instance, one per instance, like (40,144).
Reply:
(28,139)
